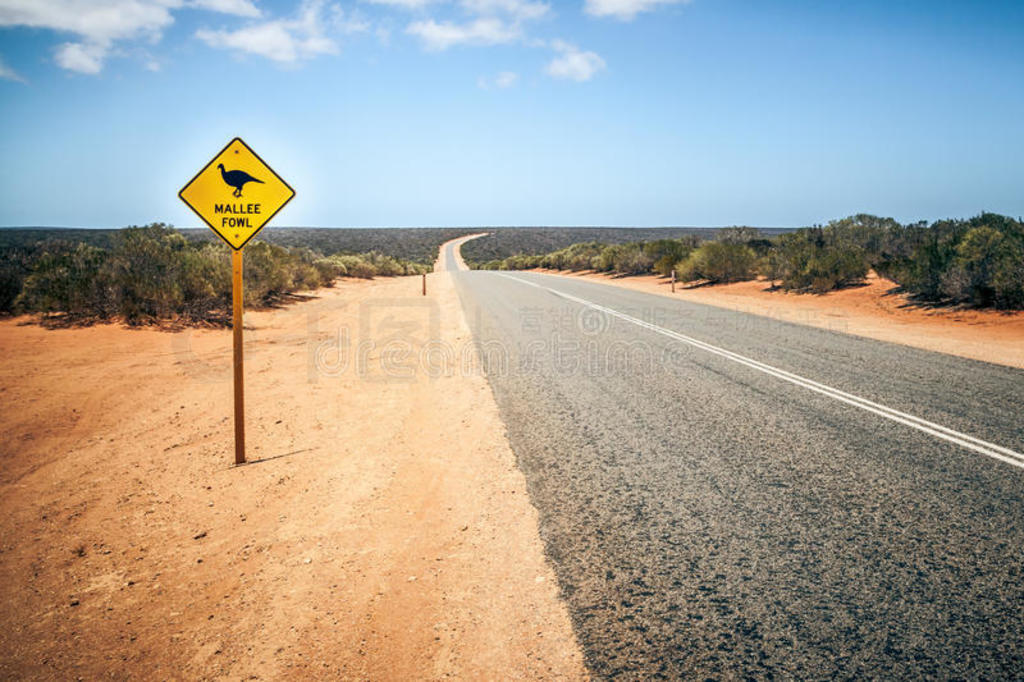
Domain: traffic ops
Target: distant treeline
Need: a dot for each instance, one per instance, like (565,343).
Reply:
(152,273)
(417,244)
(502,242)
(979,261)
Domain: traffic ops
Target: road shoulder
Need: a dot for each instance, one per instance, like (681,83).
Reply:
(870,311)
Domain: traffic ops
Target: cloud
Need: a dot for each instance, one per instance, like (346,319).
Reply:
(521,10)
(7,73)
(97,21)
(573,63)
(98,24)
(346,23)
(493,22)
(625,10)
(485,31)
(288,40)
(406,4)
(241,8)
(81,57)
(505,79)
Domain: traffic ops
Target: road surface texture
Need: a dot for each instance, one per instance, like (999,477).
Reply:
(708,517)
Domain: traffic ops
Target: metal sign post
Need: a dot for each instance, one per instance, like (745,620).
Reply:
(237,297)
(236,194)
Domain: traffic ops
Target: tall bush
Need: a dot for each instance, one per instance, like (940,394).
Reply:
(718,262)
(665,253)
(816,260)
(67,278)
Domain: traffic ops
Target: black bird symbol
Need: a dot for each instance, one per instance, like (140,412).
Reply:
(236,179)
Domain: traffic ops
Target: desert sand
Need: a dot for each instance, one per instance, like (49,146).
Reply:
(380,531)
(874,311)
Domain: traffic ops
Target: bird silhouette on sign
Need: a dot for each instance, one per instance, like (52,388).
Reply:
(236,179)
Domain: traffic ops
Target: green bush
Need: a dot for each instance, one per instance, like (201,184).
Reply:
(67,278)
(665,253)
(144,272)
(815,260)
(978,262)
(351,265)
(153,272)
(717,263)
(205,279)
(986,270)
(627,259)
(15,266)
(574,257)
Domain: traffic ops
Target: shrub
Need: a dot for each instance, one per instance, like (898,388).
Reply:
(144,272)
(978,261)
(986,270)
(15,266)
(718,262)
(66,278)
(574,257)
(351,265)
(771,265)
(815,260)
(205,279)
(153,272)
(738,235)
(665,253)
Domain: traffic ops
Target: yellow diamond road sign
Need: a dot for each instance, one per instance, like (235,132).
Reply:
(236,194)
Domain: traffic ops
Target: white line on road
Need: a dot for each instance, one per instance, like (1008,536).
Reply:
(937,430)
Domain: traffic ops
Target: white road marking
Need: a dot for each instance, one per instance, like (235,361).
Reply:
(931,428)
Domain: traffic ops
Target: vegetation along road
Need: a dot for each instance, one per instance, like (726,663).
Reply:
(734,496)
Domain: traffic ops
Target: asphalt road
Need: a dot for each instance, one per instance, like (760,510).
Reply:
(707,518)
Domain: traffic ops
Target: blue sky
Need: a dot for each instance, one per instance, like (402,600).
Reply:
(516,112)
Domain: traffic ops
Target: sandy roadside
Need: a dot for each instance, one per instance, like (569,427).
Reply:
(870,311)
(384,531)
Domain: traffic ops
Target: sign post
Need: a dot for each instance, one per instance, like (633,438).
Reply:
(236,325)
(236,194)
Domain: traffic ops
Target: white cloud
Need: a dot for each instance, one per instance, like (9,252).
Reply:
(241,8)
(625,10)
(518,9)
(346,23)
(98,24)
(81,57)
(505,79)
(406,4)
(486,31)
(287,40)
(7,73)
(97,21)
(491,22)
(573,63)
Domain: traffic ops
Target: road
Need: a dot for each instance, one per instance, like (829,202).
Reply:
(711,512)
